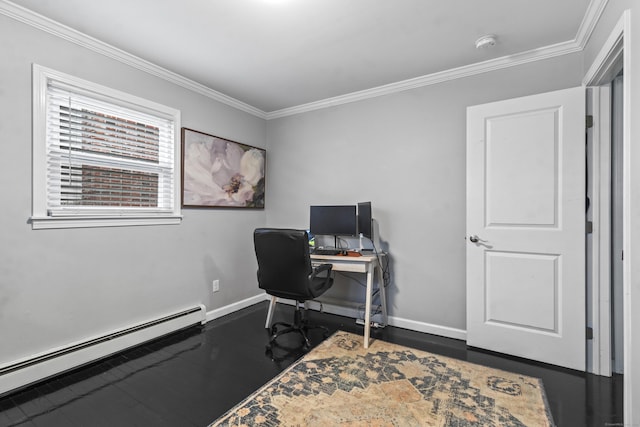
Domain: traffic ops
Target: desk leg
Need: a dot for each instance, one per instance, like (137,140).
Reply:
(272,306)
(367,306)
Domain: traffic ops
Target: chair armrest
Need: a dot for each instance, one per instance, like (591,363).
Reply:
(321,268)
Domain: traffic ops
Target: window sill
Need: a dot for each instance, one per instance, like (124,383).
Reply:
(47,222)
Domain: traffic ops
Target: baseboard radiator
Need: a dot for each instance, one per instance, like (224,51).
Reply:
(27,371)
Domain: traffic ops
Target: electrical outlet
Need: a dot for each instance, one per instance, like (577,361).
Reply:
(215,286)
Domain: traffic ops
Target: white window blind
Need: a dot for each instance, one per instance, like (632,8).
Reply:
(106,157)
(101,157)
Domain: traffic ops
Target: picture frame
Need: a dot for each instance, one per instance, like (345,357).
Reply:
(220,173)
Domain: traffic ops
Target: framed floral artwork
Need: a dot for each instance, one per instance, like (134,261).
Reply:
(217,172)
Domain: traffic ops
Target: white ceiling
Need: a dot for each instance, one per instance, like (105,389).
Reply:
(278,54)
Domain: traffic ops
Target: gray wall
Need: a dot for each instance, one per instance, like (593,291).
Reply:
(62,286)
(406,154)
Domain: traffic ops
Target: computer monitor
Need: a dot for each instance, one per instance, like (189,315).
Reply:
(365,220)
(333,220)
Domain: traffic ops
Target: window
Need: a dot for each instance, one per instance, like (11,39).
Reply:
(101,157)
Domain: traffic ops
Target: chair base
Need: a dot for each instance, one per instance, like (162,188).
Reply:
(300,326)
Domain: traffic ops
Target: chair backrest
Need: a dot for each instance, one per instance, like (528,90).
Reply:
(284,265)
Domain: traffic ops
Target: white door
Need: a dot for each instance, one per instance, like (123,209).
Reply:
(526,227)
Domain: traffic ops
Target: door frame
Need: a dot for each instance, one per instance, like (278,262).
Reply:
(615,52)
(599,314)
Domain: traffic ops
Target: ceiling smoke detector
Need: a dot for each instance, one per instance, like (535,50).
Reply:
(486,41)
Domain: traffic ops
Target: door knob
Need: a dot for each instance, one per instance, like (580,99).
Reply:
(474,239)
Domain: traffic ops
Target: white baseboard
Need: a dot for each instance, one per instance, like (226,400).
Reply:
(428,328)
(228,309)
(24,376)
(333,309)
(443,331)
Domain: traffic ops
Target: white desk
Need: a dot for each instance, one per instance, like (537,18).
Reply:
(367,264)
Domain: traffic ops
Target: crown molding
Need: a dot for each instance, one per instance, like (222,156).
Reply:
(610,56)
(589,21)
(587,26)
(435,78)
(50,26)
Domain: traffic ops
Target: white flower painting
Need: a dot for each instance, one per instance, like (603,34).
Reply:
(220,172)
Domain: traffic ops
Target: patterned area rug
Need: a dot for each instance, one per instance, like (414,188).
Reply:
(339,383)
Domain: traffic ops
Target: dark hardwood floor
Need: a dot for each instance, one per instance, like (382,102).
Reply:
(191,377)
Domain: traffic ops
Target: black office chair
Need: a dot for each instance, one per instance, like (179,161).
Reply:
(285,271)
